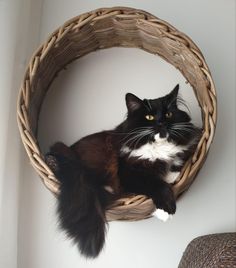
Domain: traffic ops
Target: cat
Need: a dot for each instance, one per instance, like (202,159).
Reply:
(142,155)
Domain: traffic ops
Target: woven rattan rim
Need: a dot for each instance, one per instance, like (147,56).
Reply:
(115,27)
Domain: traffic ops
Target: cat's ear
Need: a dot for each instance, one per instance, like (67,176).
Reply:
(174,93)
(172,96)
(133,103)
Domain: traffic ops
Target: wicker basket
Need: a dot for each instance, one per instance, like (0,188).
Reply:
(105,28)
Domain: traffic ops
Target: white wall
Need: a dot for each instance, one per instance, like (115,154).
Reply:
(18,36)
(207,207)
(94,88)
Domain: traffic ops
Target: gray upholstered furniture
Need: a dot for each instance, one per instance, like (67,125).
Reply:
(211,251)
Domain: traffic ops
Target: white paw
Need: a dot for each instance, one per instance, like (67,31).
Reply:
(162,214)
(172,177)
(109,189)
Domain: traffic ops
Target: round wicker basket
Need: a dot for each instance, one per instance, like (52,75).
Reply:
(105,28)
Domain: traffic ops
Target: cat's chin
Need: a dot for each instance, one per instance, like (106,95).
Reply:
(160,136)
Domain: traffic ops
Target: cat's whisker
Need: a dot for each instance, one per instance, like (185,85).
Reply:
(132,133)
(180,134)
(180,126)
(131,140)
(128,134)
(138,140)
(185,129)
(133,130)
(139,128)
(189,126)
(183,124)
(124,133)
(149,134)
(136,132)
(176,133)
(180,101)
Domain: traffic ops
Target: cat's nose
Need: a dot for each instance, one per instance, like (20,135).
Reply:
(159,123)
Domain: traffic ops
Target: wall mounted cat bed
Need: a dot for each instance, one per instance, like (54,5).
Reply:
(105,28)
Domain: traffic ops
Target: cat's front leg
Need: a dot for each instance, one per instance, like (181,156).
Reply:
(140,181)
(164,200)
(175,169)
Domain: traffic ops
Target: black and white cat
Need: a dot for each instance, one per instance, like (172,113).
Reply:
(143,155)
(161,139)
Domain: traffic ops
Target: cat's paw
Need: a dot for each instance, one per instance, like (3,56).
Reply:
(171,177)
(51,161)
(165,201)
(168,206)
(109,189)
(162,214)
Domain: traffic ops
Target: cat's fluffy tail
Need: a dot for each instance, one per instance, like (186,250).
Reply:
(81,204)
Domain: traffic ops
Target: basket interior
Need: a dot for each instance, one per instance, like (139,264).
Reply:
(118,31)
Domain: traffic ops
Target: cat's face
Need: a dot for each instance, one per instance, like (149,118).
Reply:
(155,116)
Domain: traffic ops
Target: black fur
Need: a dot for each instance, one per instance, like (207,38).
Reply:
(143,176)
(81,202)
(87,167)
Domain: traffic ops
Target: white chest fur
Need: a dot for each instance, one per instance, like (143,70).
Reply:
(159,149)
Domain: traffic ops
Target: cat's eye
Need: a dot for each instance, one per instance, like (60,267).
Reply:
(169,114)
(149,117)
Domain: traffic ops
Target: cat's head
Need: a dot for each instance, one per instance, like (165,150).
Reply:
(158,117)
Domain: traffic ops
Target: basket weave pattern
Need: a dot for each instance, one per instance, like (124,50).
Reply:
(211,251)
(105,28)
